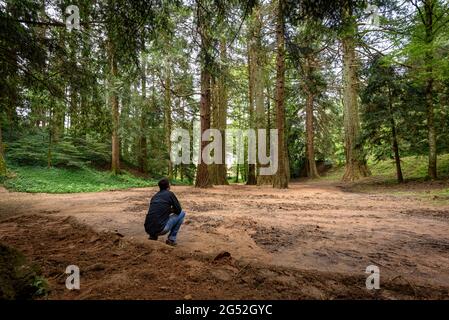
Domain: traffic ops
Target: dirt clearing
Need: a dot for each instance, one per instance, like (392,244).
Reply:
(310,241)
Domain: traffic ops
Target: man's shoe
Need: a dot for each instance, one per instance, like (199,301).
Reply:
(170,242)
(153,237)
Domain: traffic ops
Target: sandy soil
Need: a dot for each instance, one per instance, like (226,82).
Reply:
(313,240)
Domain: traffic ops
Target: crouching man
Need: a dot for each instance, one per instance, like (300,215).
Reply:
(165,214)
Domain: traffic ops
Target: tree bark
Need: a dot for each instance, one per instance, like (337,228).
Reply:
(222,92)
(86,92)
(50,135)
(395,144)
(259,79)
(432,170)
(167,117)
(429,6)
(396,152)
(237,171)
(202,175)
(266,179)
(84,116)
(219,101)
(143,163)
(251,79)
(182,115)
(73,107)
(2,156)
(312,171)
(355,160)
(280,180)
(215,108)
(73,111)
(114,103)
(57,122)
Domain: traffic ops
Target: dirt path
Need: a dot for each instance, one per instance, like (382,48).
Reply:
(314,227)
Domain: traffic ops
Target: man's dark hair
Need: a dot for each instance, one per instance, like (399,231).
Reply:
(163,184)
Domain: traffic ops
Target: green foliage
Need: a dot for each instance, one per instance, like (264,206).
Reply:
(70,151)
(41,286)
(55,109)
(18,278)
(2,166)
(64,180)
(381,108)
(28,150)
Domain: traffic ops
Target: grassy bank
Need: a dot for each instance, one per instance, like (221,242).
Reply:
(417,185)
(413,168)
(63,180)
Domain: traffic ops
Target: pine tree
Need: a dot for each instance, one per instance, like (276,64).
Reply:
(280,179)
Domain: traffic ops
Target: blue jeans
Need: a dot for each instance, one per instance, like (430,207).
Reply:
(173,225)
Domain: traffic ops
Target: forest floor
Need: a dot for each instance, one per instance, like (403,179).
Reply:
(312,241)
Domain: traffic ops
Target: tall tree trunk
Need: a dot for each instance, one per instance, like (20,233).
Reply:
(184,125)
(280,180)
(2,156)
(259,78)
(73,107)
(50,135)
(143,163)
(167,117)
(355,160)
(113,101)
(84,116)
(57,121)
(86,92)
(394,139)
(429,6)
(202,175)
(222,93)
(396,151)
(10,70)
(214,101)
(266,122)
(73,111)
(312,171)
(432,170)
(251,170)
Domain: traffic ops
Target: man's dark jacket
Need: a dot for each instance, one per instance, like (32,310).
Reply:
(162,205)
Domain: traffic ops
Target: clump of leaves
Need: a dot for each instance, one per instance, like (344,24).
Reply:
(41,286)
